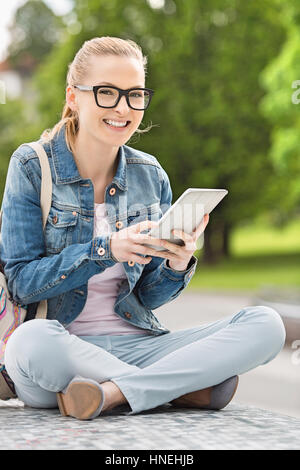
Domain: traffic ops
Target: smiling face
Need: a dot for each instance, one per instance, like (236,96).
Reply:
(122,72)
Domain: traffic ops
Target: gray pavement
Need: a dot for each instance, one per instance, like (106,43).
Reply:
(274,386)
(237,427)
(265,413)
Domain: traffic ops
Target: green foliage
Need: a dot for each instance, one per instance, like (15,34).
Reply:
(207,89)
(205,61)
(15,129)
(34,31)
(50,80)
(210,81)
(281,105)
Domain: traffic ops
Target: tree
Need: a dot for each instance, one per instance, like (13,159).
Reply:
(212,133)
(34,31)
(280,105)
(205,61)
(15,129)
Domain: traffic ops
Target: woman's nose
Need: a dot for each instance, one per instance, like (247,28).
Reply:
(123,105)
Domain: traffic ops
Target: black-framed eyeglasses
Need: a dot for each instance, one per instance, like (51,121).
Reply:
(109,96)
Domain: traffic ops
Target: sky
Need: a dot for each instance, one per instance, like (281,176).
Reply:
(8,9)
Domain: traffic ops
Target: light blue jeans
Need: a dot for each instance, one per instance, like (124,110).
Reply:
(42,358)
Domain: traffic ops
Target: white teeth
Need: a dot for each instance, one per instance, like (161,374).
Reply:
(115,123)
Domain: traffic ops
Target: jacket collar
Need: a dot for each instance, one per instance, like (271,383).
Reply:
(66,170)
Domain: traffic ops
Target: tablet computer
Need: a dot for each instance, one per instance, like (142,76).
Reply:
(186,214)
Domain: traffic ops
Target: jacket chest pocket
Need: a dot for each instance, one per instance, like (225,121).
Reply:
(59,229)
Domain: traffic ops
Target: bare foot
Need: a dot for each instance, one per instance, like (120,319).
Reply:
(112,396)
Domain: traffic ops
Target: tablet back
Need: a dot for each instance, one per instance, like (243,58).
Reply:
(187,212)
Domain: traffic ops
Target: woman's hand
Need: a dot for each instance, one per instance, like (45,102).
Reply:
(178,256)
(127,244)
(184,253)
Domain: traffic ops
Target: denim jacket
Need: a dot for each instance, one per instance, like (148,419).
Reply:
(56,264)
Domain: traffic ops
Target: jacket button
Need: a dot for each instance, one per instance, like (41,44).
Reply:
(112,191)
(131,263)
(119,224)
(74,213)
(127,314)
(100,251)
(63,276)
(54,220)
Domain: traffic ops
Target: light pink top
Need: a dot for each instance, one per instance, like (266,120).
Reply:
(98,316)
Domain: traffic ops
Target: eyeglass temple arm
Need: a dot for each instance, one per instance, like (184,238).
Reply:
(84,87)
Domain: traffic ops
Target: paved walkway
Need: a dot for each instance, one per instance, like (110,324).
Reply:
(256,419)
(274,386)
(236,427)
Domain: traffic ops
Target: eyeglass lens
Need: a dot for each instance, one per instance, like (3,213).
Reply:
(138,99)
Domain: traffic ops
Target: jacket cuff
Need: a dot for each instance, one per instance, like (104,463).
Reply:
(180,275)
(101,251)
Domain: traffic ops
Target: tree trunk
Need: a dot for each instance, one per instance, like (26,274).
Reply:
(216,242)
(225,240)
(209,254)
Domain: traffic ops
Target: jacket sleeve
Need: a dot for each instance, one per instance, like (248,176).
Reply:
(159,283)
(32,276)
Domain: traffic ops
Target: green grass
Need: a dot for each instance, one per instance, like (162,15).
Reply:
(262,239)
(262,257)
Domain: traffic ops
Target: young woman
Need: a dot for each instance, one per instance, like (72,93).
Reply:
(101,345)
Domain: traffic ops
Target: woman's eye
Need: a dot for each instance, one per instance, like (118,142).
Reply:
(105,92)
(136,95)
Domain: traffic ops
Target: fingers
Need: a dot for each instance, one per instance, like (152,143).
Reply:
(140,259)
(183,235)
(171,251)
(144,238)
(206,219)
(162,254)
(144,225)
(201,227)
(146,250)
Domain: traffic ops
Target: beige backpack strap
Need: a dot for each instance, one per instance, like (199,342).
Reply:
(46,180)
(45,201)
(45,198)
(41,311)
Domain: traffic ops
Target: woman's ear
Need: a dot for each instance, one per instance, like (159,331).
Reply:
(71,98)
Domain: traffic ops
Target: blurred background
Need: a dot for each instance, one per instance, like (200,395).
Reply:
(226,115)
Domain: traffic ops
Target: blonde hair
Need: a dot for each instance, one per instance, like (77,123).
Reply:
(99,46)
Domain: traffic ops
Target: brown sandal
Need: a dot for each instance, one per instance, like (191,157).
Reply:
(211,398)
(82,399)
